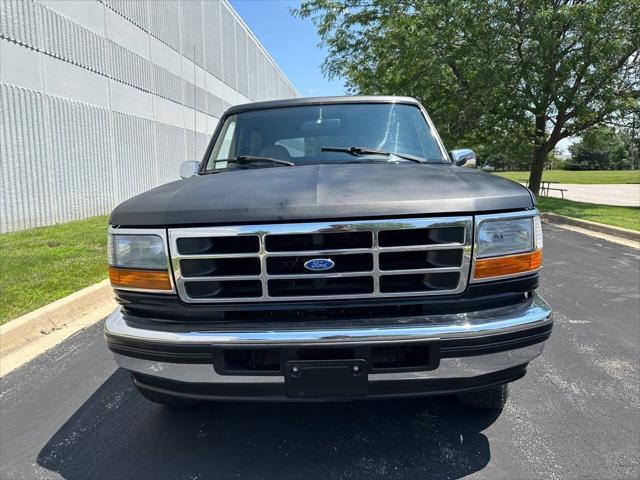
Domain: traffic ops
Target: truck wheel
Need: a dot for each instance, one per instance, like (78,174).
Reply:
(165,399)
(493,398)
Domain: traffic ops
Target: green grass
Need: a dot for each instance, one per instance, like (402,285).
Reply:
(580,177)
(625,217)
(41,265)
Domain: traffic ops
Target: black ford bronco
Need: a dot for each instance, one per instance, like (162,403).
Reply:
(327,249)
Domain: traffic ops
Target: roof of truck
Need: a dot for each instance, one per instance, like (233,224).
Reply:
(294,102)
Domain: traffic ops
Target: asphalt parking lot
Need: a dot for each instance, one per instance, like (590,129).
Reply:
(72,414)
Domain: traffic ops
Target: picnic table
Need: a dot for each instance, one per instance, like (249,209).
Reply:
(545,187)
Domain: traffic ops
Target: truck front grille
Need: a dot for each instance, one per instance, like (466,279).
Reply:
(371,259)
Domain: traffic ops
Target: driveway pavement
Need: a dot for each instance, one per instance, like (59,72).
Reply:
(622,195)
(72,414)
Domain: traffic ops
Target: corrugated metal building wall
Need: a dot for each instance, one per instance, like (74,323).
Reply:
(102,99)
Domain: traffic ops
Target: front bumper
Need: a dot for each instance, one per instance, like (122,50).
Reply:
(475,350)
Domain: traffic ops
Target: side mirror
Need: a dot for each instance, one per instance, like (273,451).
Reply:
(463,156)
(188,169)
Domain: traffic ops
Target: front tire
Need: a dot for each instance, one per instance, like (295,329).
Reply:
(494,398)
(172,401)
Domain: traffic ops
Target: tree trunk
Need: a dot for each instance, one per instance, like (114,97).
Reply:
(539,155)
(537,167)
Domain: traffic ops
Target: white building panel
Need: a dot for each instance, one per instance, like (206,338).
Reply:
(71,81)
(87,14)
(20,66)
(122,31)
(97,98)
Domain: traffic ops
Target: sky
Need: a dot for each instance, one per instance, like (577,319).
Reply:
(292,42)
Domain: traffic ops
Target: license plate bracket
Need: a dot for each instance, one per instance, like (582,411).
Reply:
(326,378)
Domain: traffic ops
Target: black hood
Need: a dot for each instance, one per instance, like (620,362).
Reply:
(318,192)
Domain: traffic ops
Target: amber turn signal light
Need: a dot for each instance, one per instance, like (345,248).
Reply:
(144,279)
(508,265)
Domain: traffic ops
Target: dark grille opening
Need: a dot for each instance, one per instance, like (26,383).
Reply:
(208,267)
(318,241)
(400,357)
(331,314)
(211,245)
(270,360)
(224,289)
(421,236)
(261,360)
(325,354)
(321,286)
(426,259)
(419,282)
(343,263)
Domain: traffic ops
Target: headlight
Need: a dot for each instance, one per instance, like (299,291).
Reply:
(137,251)
(507,245)
(505,237)
(138,261)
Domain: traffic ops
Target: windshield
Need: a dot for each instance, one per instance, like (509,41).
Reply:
(316,134)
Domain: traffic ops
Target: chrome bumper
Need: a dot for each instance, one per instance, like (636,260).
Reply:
(486,324)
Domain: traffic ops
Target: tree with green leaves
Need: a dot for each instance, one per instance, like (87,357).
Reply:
(491,72)
(600,148)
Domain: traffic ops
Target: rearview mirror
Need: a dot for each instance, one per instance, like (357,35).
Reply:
(323,125)
(188,169)
(463,156)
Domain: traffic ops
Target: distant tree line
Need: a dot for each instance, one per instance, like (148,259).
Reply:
(603,148)
(599,148)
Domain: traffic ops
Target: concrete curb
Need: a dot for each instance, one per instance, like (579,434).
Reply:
(30,335)
(597,227)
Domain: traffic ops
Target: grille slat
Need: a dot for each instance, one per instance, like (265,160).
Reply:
(378,258)
(218,245)
(421,236)
(318,241)
(321,275)
(310,287)
(219,267)
(316,253)
(228,289)
(420,270)
(222,277)
(362,262)
(415,260)
(319,253)
(217,255)
(427,282)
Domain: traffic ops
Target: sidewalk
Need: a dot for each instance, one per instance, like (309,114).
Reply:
(627,195)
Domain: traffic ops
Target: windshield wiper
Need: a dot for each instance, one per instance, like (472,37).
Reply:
(248,159)
(358,151)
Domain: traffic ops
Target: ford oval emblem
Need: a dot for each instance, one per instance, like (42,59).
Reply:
(319,264)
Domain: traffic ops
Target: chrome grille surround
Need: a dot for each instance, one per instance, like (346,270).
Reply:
(372,226)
